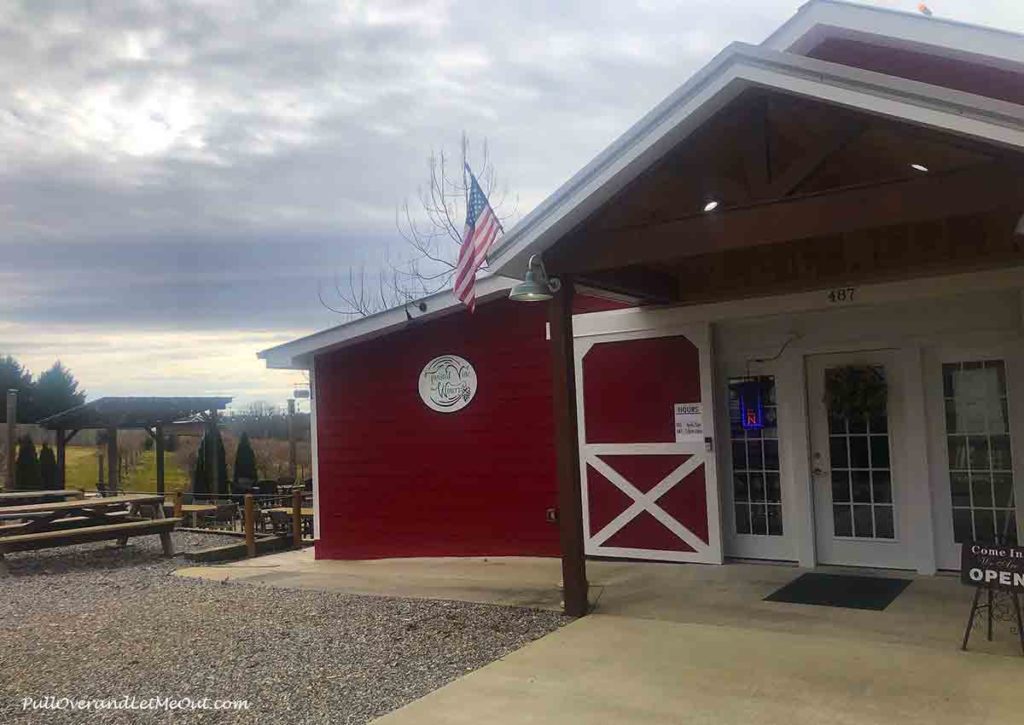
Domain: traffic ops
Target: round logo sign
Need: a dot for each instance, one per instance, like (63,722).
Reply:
(447,383)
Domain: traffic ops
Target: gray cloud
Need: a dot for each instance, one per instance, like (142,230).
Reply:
(203,165)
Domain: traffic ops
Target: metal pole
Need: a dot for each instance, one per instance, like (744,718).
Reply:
(113,464)
(211,456)
(12,432)
(292,457)
(159,442)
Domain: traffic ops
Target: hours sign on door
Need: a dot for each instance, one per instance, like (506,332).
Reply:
(689,422)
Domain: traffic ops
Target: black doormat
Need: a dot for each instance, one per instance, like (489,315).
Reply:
(841,590)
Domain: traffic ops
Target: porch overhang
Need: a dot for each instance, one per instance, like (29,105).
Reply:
(974,118)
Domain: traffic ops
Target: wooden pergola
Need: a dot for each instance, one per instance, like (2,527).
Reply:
(151,414)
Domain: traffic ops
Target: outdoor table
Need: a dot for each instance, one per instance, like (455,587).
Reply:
(194,509)
(64,523)
(307,513)
(98,511)
(15,498)
(288,509)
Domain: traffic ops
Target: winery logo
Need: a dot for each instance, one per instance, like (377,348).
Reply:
(447,383)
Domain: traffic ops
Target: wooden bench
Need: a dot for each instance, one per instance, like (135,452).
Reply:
(120,531)
(75,522)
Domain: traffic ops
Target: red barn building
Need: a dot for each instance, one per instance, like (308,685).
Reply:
(399,478)
(824,238)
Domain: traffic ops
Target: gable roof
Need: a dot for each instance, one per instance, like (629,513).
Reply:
(780,64)
(820,19)
(741,66)
(136,412)
(298,354)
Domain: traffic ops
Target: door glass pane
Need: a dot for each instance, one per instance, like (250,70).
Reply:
(843,519)
(883,522)
(862,522)
(755,465)
(859,456)
(978,446)
(840,486)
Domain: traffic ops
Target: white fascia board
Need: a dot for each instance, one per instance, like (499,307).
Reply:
(822,19)
(738,68)
(298,354)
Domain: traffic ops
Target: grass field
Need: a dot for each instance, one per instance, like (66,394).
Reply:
(82,472)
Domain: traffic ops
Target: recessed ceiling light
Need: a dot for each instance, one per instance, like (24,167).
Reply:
(919,167)
(711,205)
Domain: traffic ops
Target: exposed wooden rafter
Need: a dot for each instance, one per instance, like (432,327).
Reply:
(638,283)
(845,131)
(976,189)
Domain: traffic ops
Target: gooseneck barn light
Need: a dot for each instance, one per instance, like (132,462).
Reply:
(536,285)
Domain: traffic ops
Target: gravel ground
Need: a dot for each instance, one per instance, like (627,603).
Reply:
(95,622)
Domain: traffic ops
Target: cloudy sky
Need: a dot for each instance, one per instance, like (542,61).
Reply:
(178,177)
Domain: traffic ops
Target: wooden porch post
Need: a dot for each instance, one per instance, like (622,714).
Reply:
(12,433)
(570,506)
(113,469)
(61,458)
(159,442)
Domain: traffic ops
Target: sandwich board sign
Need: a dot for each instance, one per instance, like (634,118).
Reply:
(996,569)
(993,565)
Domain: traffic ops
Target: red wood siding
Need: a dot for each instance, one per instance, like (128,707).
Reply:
(632,386)
(399,480)
(983,80)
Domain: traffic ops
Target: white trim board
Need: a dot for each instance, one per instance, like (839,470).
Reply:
(821,19)
(314,453)
(648,318)
(736,68)
(298,354)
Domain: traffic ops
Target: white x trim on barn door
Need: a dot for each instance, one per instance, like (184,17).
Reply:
(645,501)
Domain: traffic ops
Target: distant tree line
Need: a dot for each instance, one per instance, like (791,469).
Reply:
(52,391)
(262,420)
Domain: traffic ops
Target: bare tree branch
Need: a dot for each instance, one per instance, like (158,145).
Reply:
(431,236)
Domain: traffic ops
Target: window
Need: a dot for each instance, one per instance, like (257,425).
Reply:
(757,487)
(978,445)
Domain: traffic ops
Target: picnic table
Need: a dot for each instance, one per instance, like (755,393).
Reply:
(62,523)
(15,498)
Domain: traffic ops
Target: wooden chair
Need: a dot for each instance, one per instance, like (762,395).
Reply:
(225,516)
(281,523)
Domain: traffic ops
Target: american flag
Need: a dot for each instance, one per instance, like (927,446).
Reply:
(482,228)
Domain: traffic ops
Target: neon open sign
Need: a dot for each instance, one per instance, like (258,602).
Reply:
(751,399)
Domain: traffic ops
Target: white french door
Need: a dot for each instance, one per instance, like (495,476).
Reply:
(975,396)
(754,492)
(860,495)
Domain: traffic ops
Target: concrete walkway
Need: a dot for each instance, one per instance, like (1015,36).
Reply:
(612,669)
(510,581)
(673,643)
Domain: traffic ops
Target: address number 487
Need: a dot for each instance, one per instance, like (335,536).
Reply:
(839,295)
